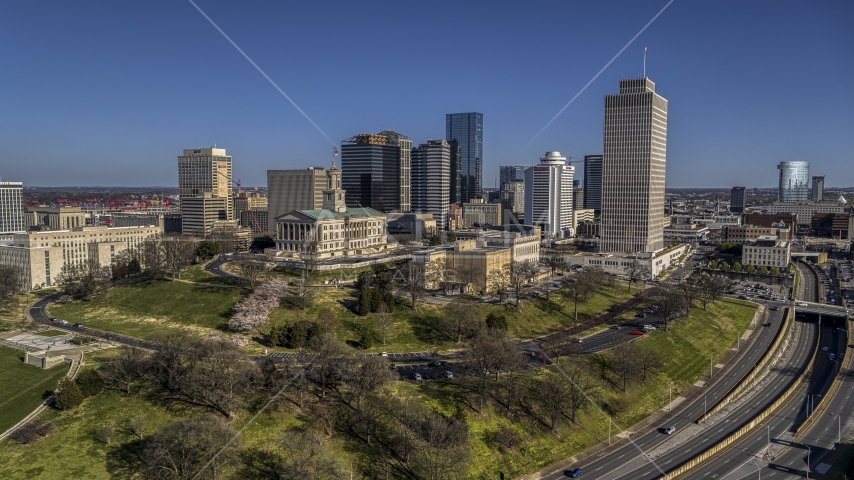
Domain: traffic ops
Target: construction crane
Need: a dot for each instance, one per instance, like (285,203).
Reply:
(242,194)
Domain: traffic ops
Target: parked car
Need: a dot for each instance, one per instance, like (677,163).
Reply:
(638,332)
(449,374)
(64,322)
(670,430)
(648,328)
(384,354)
(775,308)
(416,376)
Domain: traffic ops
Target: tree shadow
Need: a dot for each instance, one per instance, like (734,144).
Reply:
(426,328)
(123,461)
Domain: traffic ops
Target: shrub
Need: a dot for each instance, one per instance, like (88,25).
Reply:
(68,395)
(104,433)
(496,321)
(90,382)
(32,432)
(507,438)
(366,337)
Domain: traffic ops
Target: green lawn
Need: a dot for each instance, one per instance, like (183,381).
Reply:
(22,386)
(70,451)
(144,308)
(197,273)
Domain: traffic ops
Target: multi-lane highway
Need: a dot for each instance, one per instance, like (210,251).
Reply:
(631,464)
(749,455)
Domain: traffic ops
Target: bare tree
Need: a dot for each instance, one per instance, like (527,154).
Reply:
(636,271)
(711,289)
(555,262)
(498,281)
(622,363)
(327,366)
(125,369)
(384,319)
(178,253)
(302,295)
(253,268)
(182,449)
(521,274)
(367,376)
(492,351)
(462,320)
(295,456)
(582,385)
(411,279)
(152,257)
(690,290)
(671,304)
(648,362)
(82,281)
(11,282)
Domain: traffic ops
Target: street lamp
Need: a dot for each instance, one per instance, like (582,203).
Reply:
(758,470)
(839,426)
(808,461)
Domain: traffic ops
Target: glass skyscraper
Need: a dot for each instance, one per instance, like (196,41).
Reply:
(467,130)
(794,181)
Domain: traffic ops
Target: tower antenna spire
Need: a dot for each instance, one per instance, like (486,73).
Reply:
(644,61)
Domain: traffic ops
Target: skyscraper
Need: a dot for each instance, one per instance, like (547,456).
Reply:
(205,189)
(736,199)
(794,181)
(289,190)
(467,130)
(376,171)
(510,173)
(818,188)
(431,169)
(456,165)
(633,169)
(11,208)
(593,183)
(548,195)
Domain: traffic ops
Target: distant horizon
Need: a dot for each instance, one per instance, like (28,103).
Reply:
(249,187)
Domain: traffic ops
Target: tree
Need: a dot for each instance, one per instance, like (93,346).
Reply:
(68,395)
(181,450)
(555,262)
(259,244)
(520,274)
(498,281)
(296,455)
(711,288)
(714,265)
(11,282)
(326,320)
(671,304)
(411,279)
(496,321)
(749,268)
(365,300)
(461,320)
(550,396)
(647,359)
(178,253)
(251,313)
(636,271)
(104,433)
(208,249)
(577,291)
(775,271)
(252,268)
(491,352)
(366,336)
(690,290)
(327,366)
(366,377)
(763,270)
(32,431)
(90,382)
(152,257)
(302,295)
(125,369)
(82,281)
(384,319)
(725,266)
(452,236)
(736,267)
(622,363)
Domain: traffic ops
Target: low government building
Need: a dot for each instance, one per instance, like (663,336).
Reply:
(42,254)
(463,262)
(768,251)
(616,263)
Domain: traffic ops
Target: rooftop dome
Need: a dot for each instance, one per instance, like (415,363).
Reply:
(552,158)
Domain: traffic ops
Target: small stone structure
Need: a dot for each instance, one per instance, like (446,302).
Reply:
(43,361)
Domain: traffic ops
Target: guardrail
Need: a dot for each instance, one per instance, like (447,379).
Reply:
(763,361)
(747,428)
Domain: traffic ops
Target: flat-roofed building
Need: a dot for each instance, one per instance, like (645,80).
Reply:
(420,225)
(259,215)
(736,199)
(767,251)
(464,261)
(11,208)
(806,210)
(431,171)
(478,214)
(377,171)
(769,220)
(581,215)
(204,187)
(685,233)
(199,213)
(749,233)
(616,263)
(289,190)
(55,218)
(839,226)
(42,254)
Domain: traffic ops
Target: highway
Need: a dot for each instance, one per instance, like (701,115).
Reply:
(635,466)
(610,466)
(745,458)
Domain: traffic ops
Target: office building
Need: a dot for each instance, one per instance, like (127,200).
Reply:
(633,169)
(806,210)
(838,226)
(205,189)
(593,183)
(548,195)
(257,217)
(750,233)
(54,218)
(11,208)
(577,195)
(420,226)
(377,171)
(767,251)
(736,199)
(476,260)
(431,170)
(510,173)
(581,215)
(467,130)
(513,192)
(480,214)
(289,190)
(817,188)
(247,201)
(794,182)
(43,254)
(455,196)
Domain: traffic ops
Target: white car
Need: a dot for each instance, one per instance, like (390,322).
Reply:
(801,304)
(670,430)
(384,354)
(449,375)
(824,349)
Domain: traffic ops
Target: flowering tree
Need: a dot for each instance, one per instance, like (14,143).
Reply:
(253,311)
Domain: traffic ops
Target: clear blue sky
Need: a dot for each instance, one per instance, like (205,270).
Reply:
(109,93)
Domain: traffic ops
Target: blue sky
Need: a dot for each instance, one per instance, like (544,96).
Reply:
(109,93)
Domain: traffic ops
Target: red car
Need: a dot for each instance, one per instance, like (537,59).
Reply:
(638,332)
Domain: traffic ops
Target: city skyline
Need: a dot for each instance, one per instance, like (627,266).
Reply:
(55,127)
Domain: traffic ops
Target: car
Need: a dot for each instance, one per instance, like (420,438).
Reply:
(841,355)
(616,327)
(64,322)
(77,325)
(648,328)
(416,376)
(670,430)
(577,340)
(384,354)
(641,315)
(449,374)
(775,308)
(823,349)
(574,473)
(392,366)
(638,332)
(801,304)
(53,319)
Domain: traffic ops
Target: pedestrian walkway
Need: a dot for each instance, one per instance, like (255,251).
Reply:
(37,343)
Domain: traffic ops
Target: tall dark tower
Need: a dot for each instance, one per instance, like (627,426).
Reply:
(467,130)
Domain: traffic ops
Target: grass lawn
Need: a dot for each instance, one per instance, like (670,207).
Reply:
(685,349)
(70,451)
(22,386)
(50,333)
(197,273)
(144,308)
